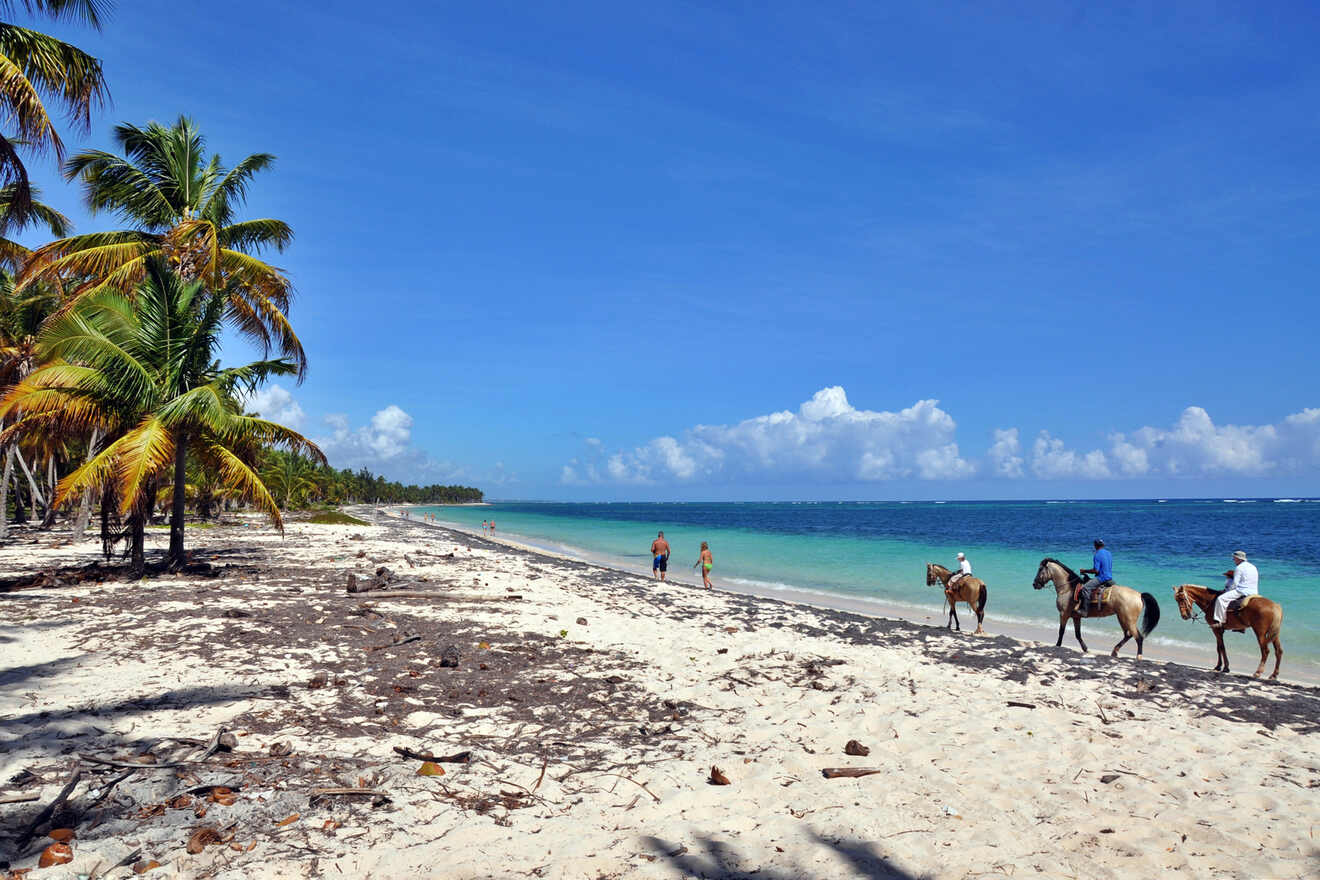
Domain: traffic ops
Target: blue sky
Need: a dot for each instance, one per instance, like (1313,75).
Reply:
(589,250)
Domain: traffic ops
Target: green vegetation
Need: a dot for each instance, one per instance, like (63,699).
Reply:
(110,340)
(335,518)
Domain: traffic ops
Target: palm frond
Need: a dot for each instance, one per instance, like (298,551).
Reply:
(57,68)
(144,452)
(239,477)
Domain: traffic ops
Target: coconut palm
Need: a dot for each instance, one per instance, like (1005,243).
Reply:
(142,370)
(34,68)
(179,204)
(290,476)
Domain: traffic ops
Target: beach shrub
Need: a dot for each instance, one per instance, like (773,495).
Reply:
(336,518)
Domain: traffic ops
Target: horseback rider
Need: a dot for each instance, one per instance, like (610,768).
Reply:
(964,569)
(1103,571)
(1244,581)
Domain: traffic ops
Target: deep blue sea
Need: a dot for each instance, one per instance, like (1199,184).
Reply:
(878,550)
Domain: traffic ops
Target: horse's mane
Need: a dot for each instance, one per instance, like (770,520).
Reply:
(1072,575)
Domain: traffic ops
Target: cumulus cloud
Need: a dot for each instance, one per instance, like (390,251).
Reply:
(384,445)
(1194,446)
(827,438)
(277,405)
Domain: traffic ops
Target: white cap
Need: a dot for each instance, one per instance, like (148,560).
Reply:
(960,556)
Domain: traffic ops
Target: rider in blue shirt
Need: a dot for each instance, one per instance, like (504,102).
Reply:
(1103,562)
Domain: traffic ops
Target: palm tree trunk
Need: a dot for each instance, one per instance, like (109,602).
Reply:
(4,492)
(137,554)
(85,506)
(32,484)
(49,519)
(176,557)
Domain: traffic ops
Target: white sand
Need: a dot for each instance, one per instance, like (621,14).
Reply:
(1210,777)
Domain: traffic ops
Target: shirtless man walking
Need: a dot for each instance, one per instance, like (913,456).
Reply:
(660,556)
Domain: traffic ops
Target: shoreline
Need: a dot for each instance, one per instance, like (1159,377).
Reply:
(1100,633)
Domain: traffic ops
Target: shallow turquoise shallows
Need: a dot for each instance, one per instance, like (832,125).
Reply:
(878,551)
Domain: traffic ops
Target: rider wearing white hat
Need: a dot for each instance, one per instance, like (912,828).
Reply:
(964,569)
(1245,582)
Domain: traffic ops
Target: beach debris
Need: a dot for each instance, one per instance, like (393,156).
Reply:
(377,797)
(951,812)
(21,798)
(430,768)
(225,797)
(319,680)
(456,758)
(1015,703)
(853,747)
(55,854)
(848,772)
(721,650)
(280,750)
(235,613)
(182,802)
(581,621)
(49,810)
(1108,778)
(61,835)
(202,838)
(717,776)
(449,657)
(144,865)
(287,820)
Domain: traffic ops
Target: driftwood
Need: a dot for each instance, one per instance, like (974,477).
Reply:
(1021,705)
(844,772)
(456,758)
(318,793)
(49,810)
(129,765)
(20,798)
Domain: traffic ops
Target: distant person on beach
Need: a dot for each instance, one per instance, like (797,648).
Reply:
(660,557)
(483,527)
(492,527)
(707,562)
(1103,571)
(1243,580)
(964,569)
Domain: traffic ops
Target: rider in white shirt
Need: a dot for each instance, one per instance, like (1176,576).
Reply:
(964,569)
(1245,582)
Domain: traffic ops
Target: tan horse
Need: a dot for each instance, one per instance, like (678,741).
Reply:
(1264,616)
(969,589)
(1138,613)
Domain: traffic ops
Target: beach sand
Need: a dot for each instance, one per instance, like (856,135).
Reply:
(594,704)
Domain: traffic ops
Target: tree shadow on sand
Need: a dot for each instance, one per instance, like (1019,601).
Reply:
(720,861)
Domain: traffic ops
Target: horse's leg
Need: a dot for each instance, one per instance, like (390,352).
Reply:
(1223,652)
(1063,624)
(980,614)
(1129,629)
(1077,630)
(1278,658)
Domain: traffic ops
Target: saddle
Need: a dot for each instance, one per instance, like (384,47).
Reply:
(1099,601)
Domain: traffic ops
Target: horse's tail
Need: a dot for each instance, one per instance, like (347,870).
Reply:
(985,594)
(1150,614)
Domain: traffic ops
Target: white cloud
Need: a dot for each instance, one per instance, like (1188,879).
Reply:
(277,405)
(1194,446)
(826,439)
(1004,457)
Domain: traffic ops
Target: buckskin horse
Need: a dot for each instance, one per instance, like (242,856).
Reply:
(967,588)
(1264,616)
(1138,613)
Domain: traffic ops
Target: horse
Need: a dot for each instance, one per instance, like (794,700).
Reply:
(971,590)
(1264,616)
(1138,613)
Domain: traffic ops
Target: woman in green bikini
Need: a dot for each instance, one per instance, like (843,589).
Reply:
(707,562)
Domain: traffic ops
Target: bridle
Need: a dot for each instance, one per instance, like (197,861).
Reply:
(1180,596)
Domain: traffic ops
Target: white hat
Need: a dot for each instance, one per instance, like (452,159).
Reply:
(1239,554)
(960,556)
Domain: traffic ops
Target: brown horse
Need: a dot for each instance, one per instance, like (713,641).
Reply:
(971,590)
(1138,613)
(1264,616)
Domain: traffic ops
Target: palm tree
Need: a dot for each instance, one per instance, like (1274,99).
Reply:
(179,204)
(21,316)
(34,65)
(143,371)
(289,475)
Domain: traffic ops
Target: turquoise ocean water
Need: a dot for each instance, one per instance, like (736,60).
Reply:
(839,551)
